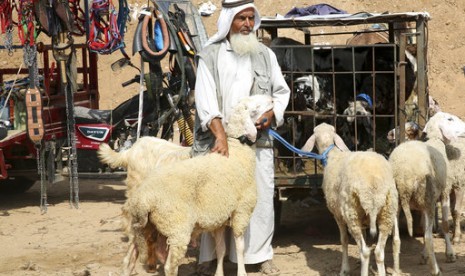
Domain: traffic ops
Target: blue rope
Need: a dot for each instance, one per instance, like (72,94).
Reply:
(123,14)
(323,157)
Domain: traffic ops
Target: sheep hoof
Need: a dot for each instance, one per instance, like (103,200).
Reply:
(424,260)
(451,258)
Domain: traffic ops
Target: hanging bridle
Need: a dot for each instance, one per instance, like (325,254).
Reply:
(27,27)
(104,35)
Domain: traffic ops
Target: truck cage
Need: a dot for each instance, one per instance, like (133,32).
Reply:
(324,35)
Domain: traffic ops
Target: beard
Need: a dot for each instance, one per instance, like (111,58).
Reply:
(244,44)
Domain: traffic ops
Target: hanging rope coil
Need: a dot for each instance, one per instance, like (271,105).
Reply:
(144,40)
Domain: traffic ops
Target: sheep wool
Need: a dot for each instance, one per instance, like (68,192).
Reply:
(211,189)
(421,170)
(199,194)
(456,179)
(450,129)
(154,151)
(359,187)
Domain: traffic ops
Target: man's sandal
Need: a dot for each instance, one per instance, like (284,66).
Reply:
(268,268)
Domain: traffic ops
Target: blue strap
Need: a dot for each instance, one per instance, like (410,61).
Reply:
(366,98)
(323,157)
(123,14)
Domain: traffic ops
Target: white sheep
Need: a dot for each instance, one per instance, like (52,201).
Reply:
(155,152)
(456,169)
(420,171)
(411,132)
(456,172)
(456,178)
(204,193)
(359,188)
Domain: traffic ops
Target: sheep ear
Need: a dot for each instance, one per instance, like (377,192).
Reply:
(448,133)
(340,143)
(391,136)
(308,147)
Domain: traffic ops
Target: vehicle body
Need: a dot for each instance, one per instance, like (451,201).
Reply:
(165,103)
(329,48)
(18,154)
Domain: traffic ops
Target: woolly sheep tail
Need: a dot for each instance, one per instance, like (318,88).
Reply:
(373,214)
(114,159)
(372,210)
(408,217)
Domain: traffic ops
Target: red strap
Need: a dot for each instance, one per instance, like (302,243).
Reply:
(5,15)
(104,37)
(78,16)
(26,27)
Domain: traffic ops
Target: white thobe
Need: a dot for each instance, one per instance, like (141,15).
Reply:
(235,82)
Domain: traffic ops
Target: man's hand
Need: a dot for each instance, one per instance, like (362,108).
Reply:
(264,122)
(221,147)
(221,141)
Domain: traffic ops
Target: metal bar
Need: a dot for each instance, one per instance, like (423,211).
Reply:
(46,72)
(322,21)
(401,70)
(422,87)
(85,73)
(391,33)
(354,92)
(87,17)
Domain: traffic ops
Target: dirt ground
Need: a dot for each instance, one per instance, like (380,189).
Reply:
(88,240)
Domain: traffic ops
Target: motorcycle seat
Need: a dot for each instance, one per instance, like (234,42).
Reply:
(84,115)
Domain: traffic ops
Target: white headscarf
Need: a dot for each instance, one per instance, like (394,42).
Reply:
(226,18)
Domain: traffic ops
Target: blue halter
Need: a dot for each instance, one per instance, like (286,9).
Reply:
(366,98)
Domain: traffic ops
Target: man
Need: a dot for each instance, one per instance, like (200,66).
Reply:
(233,65)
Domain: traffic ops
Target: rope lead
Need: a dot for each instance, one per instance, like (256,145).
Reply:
(322,157)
